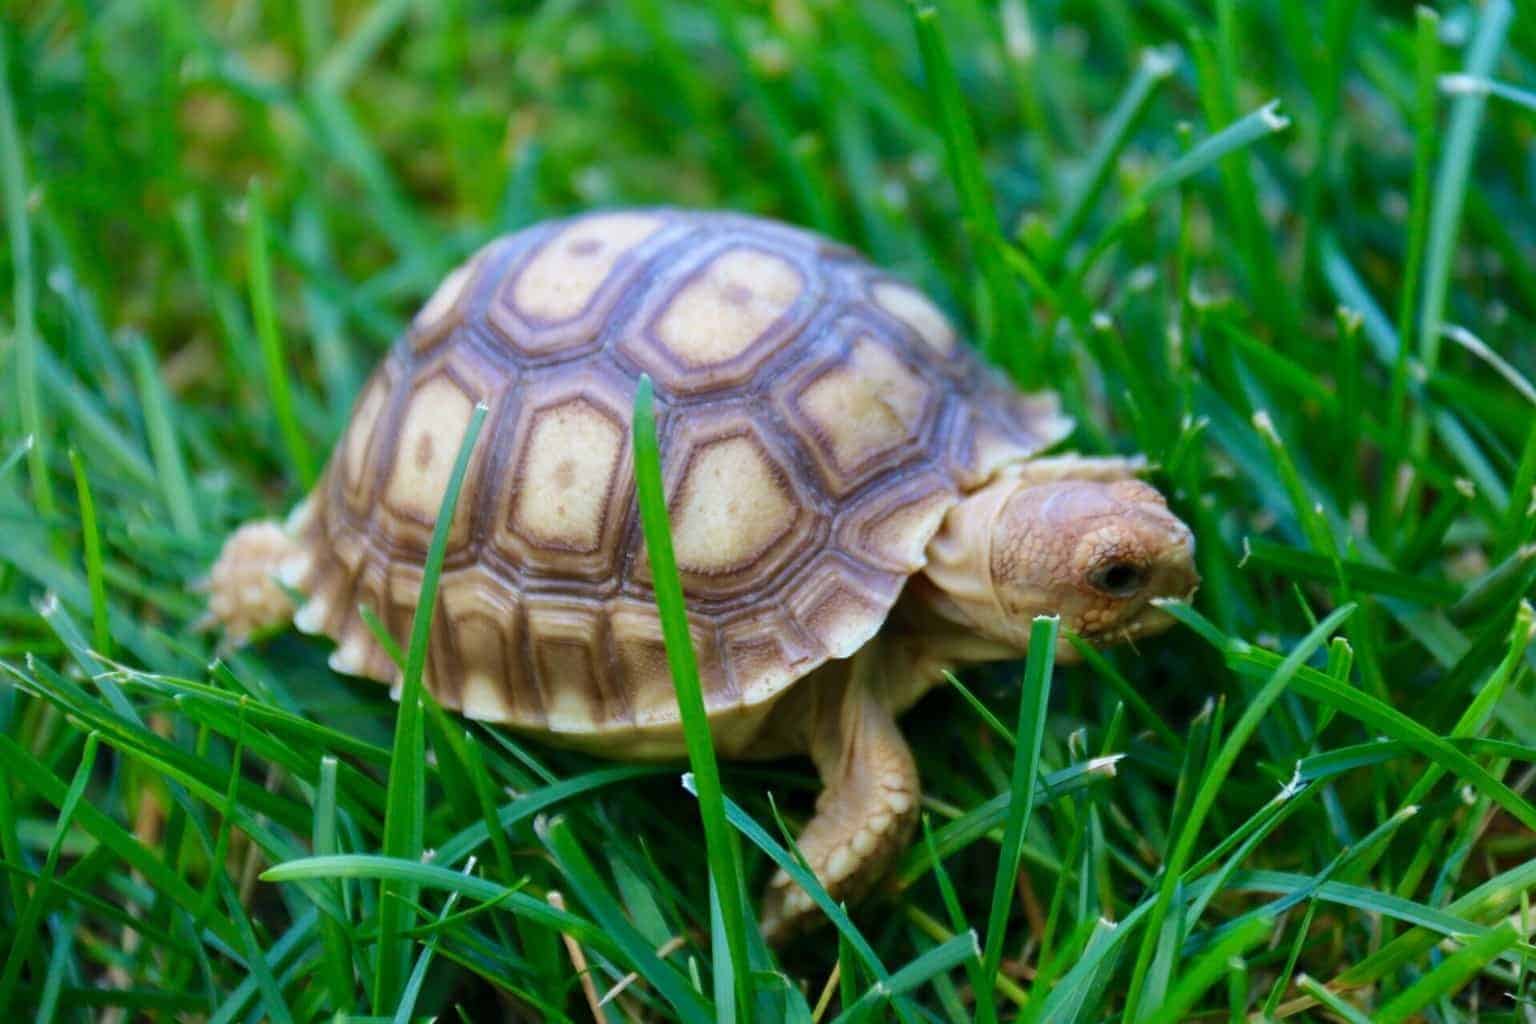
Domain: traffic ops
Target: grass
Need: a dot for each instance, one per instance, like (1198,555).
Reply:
(1235,237)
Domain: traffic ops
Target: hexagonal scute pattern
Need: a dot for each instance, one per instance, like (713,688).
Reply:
(818,419)
(734,506)
(640,661)
(567,648)
(728,305)
(713,324)
(560,506)
(864,411)
(566,475)
(427,437)
(559,295)
(889,528)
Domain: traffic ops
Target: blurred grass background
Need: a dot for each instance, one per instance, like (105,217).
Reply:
(1272,246)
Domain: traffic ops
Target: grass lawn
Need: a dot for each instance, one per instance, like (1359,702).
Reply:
(1286,250)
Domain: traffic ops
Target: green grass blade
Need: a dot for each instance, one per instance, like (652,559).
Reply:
(160,422)
(274,361)
(26,927)
(1245,131)
(802,876)
(1207,969)
(90,534)
(637,952)
(418,976)
(961,949)
(13,180)
(406,806)
(1210,785)
(336,960)
(1034,697)
(1007,338)
(1450,187)
(720,844)
(1346,1011)
(1449,977)
(1152,70)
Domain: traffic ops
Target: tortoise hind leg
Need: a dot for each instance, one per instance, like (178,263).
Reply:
(865,815)
(244,596)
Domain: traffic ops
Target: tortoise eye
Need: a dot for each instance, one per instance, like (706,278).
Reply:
(1118,579)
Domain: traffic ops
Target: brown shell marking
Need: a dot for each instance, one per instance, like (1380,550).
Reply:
(817,420)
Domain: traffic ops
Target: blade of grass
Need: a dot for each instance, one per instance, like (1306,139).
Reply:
(26,928)
(13,179)
(160,423)
(982,711)
(1347,1011)
(405,805)
(1006,336)
(90,534)
(432,876)
(719,841)
(1034,697)
(961,949)
(1152,70)
(336,960)
(637,953)
(1448,196)
(986,817)
(1448,978)
(1208,969)
(418,975)
(1278,682)
(274,361)
(803,877)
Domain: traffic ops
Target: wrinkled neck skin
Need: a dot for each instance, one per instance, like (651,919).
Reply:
(920,644)
(942,620)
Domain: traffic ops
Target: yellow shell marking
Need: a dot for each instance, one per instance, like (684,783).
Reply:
(732,506)
(566,481)
(866,407)
(429,440)
(730,304)
(573,265)
(912,308)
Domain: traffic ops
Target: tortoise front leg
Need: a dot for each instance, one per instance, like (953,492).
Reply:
(866,813)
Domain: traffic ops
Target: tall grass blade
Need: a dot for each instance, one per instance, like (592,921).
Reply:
(274,360)
(1035,695)
(720,844)
(405,809)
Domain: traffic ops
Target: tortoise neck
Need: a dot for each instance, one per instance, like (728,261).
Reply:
(921,643)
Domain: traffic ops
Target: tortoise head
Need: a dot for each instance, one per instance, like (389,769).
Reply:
(1098,553)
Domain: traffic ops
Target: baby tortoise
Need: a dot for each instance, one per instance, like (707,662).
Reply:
(856,504)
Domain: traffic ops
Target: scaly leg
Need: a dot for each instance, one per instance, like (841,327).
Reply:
(865,815)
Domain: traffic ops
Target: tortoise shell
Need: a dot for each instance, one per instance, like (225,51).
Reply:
(817,419)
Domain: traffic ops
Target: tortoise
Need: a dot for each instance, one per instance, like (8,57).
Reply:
(857,504)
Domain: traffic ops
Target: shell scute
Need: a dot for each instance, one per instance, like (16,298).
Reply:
(431,427)
(555,299)
(568,647)
(864,410)
(569,473)
(714,319)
